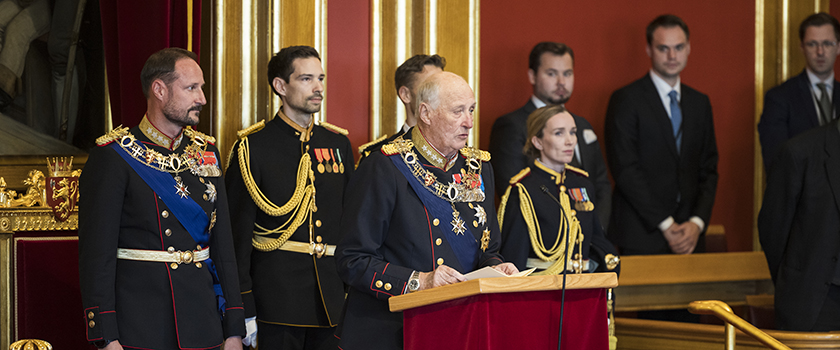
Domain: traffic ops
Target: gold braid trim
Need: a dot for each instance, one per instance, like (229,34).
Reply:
(334,128)
(471,152)
(576,170)
(111,136)
(302,203)
(192,133)
(251,129)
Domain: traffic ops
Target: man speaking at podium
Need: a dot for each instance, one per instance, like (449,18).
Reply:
(418,215)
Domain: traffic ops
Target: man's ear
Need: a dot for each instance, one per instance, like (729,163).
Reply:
(649,50)
(424,113)
(532,76)
(159,90)
(405,94)
(279,85)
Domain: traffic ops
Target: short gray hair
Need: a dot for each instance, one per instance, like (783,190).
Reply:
(428,93)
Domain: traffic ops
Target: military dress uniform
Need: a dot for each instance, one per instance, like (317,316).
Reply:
(376,145)
(396,221)
(145,280)
(535,226)
(287,185)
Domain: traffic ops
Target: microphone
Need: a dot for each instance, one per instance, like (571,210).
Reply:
(565,267)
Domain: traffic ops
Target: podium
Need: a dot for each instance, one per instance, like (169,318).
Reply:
(508,313)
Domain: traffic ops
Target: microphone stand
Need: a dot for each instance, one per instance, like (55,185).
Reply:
(565,268)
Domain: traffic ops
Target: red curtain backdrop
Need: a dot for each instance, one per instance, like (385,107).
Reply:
(134,30)
(608,38)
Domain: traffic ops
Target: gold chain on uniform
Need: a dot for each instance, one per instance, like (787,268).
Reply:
(569,224)
(302,198)
(453,192)
(173,163)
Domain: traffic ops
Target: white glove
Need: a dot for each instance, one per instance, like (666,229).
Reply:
(250,338)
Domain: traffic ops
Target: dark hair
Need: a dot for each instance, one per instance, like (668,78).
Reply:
(535,125)
(817,20)
(558,49)
(667,21)
(161,65)
(404,76)
(282,64)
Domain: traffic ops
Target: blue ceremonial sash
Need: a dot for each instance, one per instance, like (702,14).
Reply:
(464,246)
(186,210)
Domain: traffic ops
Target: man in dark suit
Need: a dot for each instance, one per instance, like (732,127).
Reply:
(156,260)
(805,101)
(407,78)
(662,152)
(551,73)
(798,226)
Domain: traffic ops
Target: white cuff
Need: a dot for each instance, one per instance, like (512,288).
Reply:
(665,224)
(698,221)
(250,338)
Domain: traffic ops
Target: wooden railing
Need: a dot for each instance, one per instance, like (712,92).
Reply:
(724,312)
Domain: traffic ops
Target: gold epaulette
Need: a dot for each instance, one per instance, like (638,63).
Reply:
(251,129)
(471,152)
(577,171)
(378,140)
(112,135)
(518,177)
(334,128)
(397,146)
(190,132)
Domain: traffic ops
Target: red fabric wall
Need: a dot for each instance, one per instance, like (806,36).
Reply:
(608,38)
(348,72)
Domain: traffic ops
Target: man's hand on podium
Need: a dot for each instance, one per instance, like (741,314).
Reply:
(507,268)
(441,276)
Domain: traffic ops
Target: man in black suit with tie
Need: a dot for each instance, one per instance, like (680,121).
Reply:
(798,226)
(662,152)
(551,72)
(805,101)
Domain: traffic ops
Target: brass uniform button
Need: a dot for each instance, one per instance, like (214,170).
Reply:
(198,264)
(90,315)
(170,250)
(387,286)
(91,324)
(574,212)
(378,284)
(318,239)
(317,223)
(438,241)
(198,247)
(435,222)
(174,266)
(562,188)
(168,232)
(471,206)
(475,223)
(165,214)
(440,261)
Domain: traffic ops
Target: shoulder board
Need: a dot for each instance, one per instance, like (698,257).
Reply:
(471,152)
(251,129)
(518,177)
(397,146)
(112,135)
(189,131)
(577,171)
(334,128)
(378,140)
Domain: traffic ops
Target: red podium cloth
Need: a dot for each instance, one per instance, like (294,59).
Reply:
(503,321)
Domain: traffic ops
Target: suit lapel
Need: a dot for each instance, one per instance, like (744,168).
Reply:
(834,98)
(660,115)
(807,98)
(832,163)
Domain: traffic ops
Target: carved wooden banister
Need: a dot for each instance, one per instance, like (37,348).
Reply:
(724,312)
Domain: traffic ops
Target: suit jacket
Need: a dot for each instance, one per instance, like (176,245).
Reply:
(151,305)
(652,179)
(508,137)
(789,110)
(516,242)
(798,225)
(388,233)
(284,287)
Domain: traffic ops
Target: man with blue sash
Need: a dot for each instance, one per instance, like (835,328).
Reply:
(156,260)
(417,215)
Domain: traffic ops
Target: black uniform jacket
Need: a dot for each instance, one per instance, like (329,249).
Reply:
(789,109)
(516,242)
(508,137)
(388,234)
(282,287)
(799,223)
(653,180)
(377,146)
(151,305)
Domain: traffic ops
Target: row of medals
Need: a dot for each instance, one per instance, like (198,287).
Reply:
(326,156)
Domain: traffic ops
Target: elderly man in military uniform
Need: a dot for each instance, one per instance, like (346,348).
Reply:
(156,259)
(418,215)
(287,180)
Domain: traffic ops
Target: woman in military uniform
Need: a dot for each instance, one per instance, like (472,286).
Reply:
(548,205)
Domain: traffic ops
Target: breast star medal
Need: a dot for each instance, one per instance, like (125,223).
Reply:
(180,188)
(480,214)
(210,192)
(485,239)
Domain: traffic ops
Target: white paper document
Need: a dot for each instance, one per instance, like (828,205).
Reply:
(489,272)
